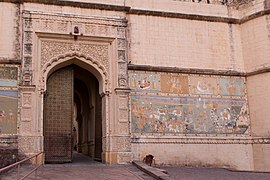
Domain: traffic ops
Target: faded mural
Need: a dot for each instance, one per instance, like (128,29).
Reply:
(188,115)
(202,85)
(8,100)
(144,82)
(204,104)
(231,86)
(176,84)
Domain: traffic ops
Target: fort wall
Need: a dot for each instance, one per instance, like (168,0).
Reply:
(184,81)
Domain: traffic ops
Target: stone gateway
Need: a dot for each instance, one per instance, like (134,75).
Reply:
(185,81)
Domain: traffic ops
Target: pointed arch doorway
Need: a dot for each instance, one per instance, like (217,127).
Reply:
(72,115)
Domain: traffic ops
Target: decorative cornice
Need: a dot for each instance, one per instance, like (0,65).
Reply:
(130,10)
(73,4)
(44,16)
(201,140)
(185,70)
(258,71)
(229,20)
(254,72)
(184,16)
(254,16)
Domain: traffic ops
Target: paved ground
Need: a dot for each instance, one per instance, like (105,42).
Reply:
(82,168)
(185,173)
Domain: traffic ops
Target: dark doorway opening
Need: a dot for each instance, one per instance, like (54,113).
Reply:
(72,115)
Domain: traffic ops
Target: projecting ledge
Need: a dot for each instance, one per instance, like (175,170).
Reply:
(200,140)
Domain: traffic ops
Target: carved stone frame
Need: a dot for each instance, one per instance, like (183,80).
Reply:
(99,45)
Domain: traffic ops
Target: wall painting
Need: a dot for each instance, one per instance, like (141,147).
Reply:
(160,114)
(8,111)
(144,82)
(203,85)
(8,100)
(176,84)
(231,86)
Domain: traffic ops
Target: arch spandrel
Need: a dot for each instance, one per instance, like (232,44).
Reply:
(85,62)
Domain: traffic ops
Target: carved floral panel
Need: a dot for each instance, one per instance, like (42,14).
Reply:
(53,49)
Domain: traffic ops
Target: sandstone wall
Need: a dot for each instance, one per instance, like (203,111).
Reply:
(10,28)
(186,119)
(255,35)
(9,52)
(172,42)
(202,51)
(256,43)
(233,156)
(259,102)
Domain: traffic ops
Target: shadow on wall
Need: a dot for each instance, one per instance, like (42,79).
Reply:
(7,156)
(8,150)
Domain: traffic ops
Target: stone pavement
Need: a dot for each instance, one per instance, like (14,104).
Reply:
(185,173)
(188,173)
(83,169)
(71,172)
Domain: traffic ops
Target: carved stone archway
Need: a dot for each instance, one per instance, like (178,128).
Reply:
(95,67)
(50,45)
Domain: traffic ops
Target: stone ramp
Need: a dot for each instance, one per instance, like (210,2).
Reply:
(152,171)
